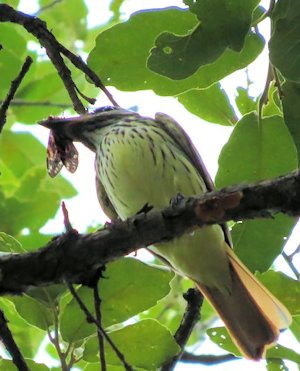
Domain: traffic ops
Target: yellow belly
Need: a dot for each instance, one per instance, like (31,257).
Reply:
(136,171)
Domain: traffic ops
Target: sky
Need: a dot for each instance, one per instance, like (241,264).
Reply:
(208,138)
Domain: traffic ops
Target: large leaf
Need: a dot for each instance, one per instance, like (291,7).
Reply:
(9,244)
(295,327)
(26,184)
(281,352)
(259,242)
(244,102)
(62,16)
(211,104)
(284,44)
(129,287)
(256,150)
(121,52)
(286,289)
(11,55)
(220,336)
(8,365)
(222,25)
(28,339)
(290,105)
(33,311)
(157,343)
(21,152)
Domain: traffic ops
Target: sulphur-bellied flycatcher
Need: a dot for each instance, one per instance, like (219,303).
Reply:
(140,160)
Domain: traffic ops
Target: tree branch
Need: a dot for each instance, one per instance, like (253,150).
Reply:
(55,50)
(12,91)
(191,316)
(207,359)
(91,319)
(8,340)
(76,257)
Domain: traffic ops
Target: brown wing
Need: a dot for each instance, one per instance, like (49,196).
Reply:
(185,144)
(60,152)
(104,201)
(54,161)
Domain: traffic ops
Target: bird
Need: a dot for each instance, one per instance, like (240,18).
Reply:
(148,161)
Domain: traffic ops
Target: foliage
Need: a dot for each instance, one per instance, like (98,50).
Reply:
(183,52)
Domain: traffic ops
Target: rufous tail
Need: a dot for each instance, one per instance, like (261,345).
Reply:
(252,315)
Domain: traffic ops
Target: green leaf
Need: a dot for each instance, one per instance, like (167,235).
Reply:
(11,56)
(123,295)
(21,208)
(291,113)
(222,25)
(33,240)
(43,85)
(126,47)
(9,244)
(284,43)
(11,314)
(8,365)
(62,16)
(17,215)
(281,352)
(276,365)
(244,102)
(211,104)
(221,337)
(295,327)
(273,106)
(28,338)
(257,149)
(48,296)
(284,288)
(95,367)
(22,152)
(115,7)
(155,340)
(258,242)
(33,311)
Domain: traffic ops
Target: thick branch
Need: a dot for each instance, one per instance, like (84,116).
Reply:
(72,257)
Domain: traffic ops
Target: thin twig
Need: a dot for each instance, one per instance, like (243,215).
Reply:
(12,348)
(91,319)
(21,102)
(12,91)
(67,223)
(207,359)
(277,82)
(55,341)
(191,316)
(290,263)
(297,251)
(263,100)
(97,305)
(46,7)
(81,65)
(266,14)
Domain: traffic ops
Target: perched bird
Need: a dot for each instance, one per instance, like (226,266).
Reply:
(140,160)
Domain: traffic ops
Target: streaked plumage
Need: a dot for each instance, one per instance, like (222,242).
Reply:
(140,160)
